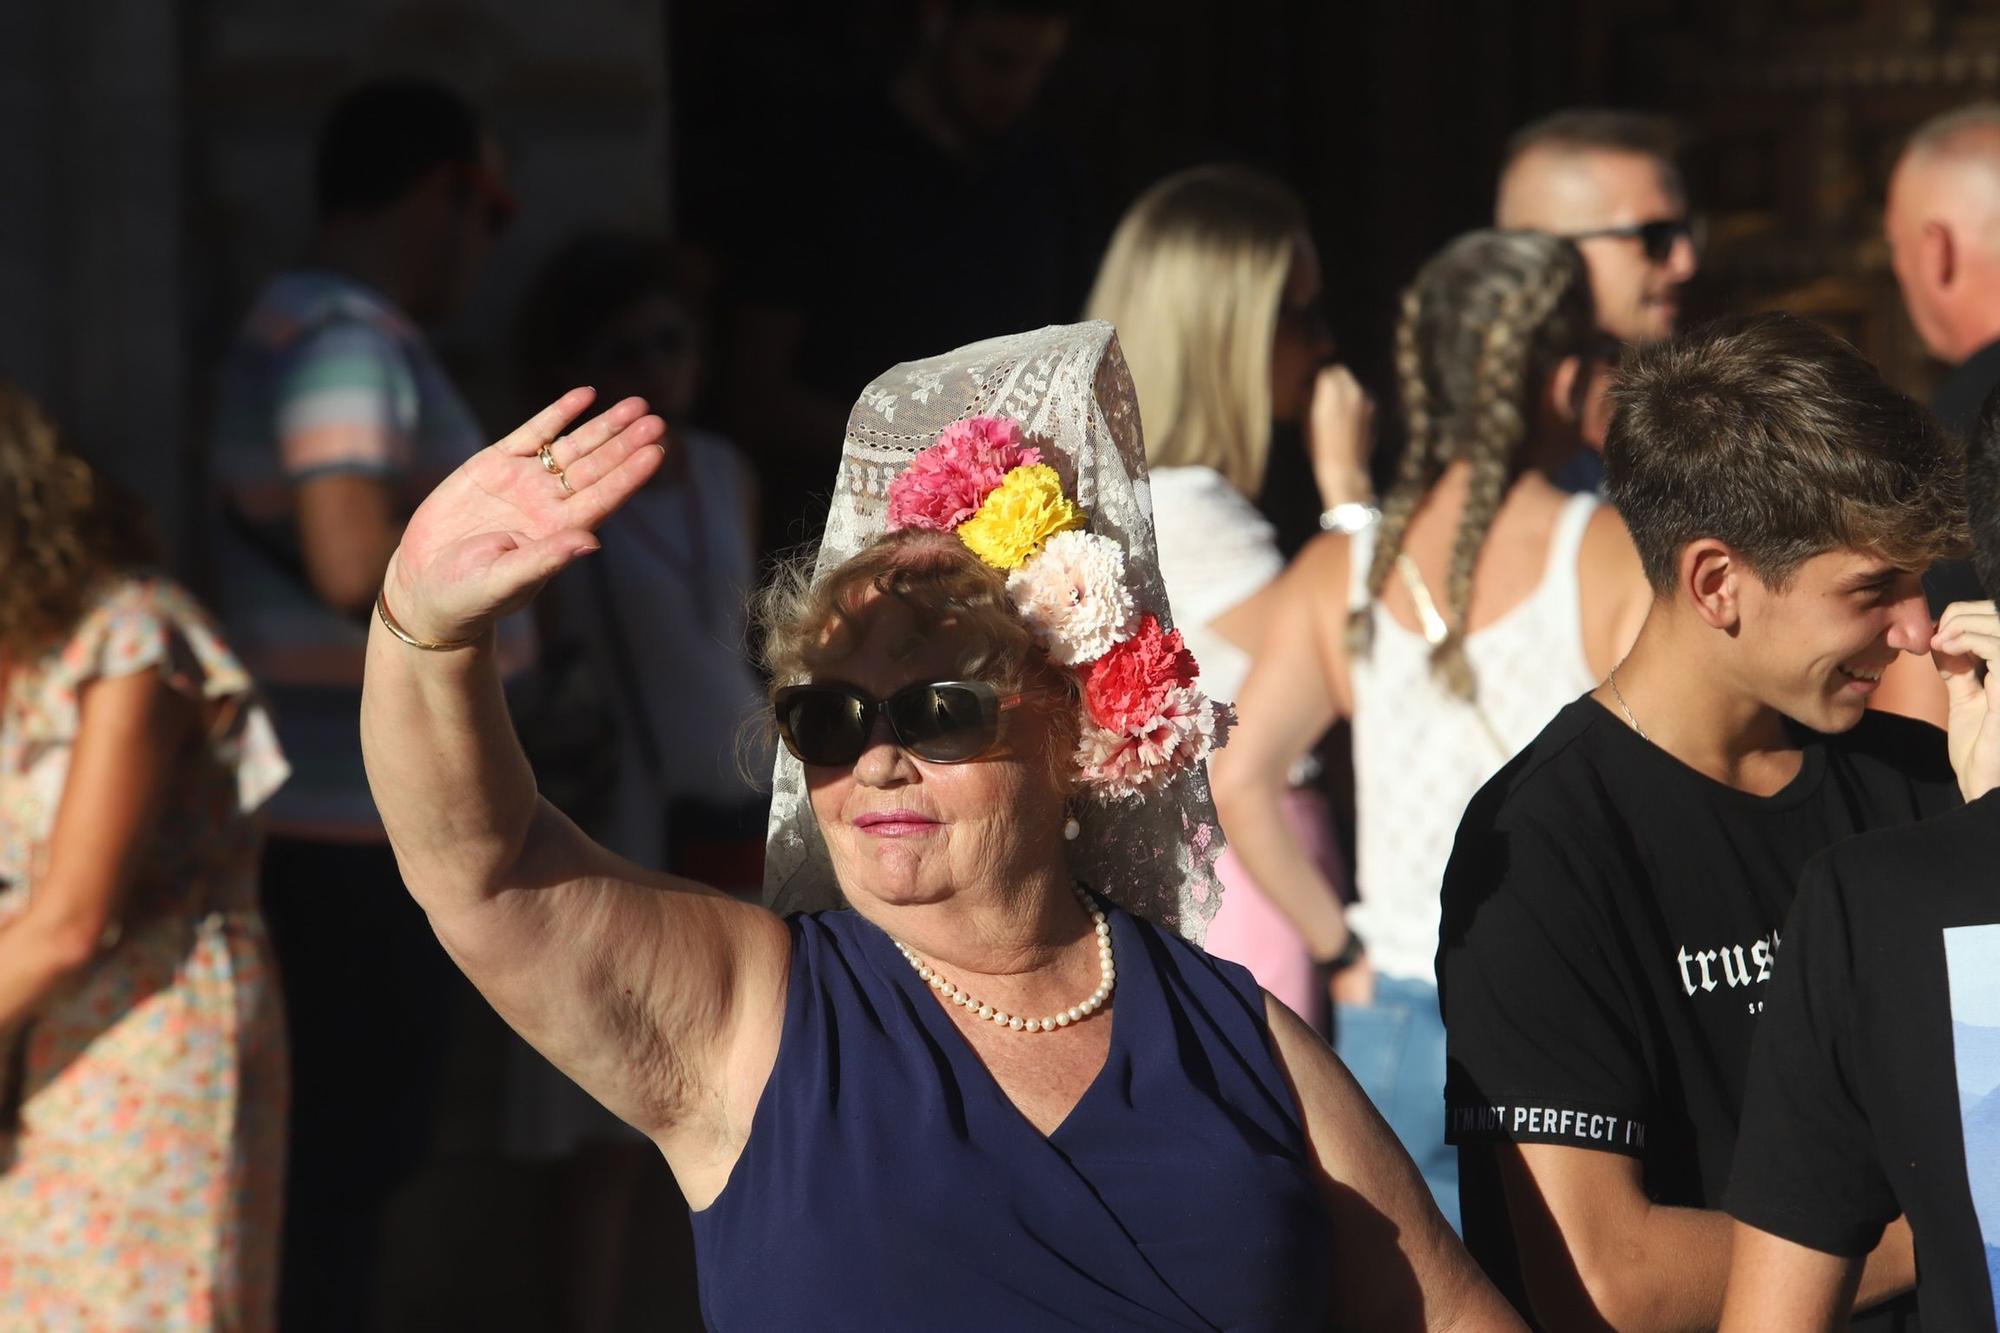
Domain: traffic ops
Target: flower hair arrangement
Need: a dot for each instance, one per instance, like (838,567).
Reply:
(1143,722)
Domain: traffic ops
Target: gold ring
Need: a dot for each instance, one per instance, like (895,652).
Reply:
(547,454)
(564,479)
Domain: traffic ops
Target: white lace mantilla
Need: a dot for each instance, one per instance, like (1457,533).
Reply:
(1069,389)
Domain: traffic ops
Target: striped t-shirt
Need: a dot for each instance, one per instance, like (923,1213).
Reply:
(326,376)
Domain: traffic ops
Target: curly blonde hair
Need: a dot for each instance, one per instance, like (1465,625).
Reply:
(1484,325)
(63,529)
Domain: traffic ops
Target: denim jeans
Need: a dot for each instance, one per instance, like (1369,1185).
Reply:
(1394,1047)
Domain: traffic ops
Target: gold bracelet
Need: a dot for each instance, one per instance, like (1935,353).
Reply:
(389,623)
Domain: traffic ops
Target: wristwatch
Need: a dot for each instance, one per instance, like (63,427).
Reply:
(1349,517)
(1350,953)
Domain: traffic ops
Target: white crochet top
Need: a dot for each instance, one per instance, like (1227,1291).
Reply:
(1421,753)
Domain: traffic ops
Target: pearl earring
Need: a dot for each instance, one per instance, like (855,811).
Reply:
(1071,829)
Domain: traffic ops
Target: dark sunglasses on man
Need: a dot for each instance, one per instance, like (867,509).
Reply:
(1655,237)
(941,721)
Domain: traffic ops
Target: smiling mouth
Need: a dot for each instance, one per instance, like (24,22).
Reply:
(1855,673)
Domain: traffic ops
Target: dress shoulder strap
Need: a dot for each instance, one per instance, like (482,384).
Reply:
(1360,554)
(1566,546)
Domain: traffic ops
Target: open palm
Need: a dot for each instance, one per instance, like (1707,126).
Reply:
(496,529)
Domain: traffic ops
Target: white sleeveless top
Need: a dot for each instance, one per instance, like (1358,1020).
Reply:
(1421,753)
(1216,550)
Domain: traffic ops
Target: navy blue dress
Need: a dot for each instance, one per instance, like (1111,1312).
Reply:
(888,1182)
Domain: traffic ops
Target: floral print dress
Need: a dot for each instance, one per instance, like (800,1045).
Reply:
(142,1107)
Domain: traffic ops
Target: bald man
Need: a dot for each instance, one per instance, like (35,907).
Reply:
(1607,180)
(1942,222)
(1943,226)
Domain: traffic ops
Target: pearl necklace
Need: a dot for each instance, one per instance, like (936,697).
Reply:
(1106,980)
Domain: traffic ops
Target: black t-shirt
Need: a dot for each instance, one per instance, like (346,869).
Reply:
(1875,1080)
(1610,922)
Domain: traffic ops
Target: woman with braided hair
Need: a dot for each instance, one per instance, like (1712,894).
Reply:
(1537,594)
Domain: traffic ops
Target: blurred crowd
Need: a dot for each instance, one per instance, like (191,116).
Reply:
(226,1029)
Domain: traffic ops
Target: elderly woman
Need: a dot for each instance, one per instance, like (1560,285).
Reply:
(982,1094)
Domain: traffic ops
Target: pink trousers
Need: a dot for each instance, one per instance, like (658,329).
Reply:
(1250,930)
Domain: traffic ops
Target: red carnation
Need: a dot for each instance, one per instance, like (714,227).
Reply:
(1128,686)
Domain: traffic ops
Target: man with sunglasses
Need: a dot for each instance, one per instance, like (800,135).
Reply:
(1607,180)
(334,419)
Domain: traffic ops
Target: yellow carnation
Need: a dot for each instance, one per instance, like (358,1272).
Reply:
(1026,509)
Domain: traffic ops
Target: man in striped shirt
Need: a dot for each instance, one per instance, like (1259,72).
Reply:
(335,418)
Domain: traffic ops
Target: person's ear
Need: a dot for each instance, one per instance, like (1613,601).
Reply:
(1565,390)
(1712,578)
(1937,255)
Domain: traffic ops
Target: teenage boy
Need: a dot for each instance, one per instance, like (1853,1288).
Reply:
(1873,1078)
(1613,905)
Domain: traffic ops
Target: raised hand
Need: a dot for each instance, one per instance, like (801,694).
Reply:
(1340,434)
(499,527)
(1966,644)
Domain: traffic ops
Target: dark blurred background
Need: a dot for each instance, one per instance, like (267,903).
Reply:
(155,168)
(156,155)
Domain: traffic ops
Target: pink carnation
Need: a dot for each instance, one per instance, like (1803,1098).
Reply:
(945,484)
(1128,686)
(1148,755)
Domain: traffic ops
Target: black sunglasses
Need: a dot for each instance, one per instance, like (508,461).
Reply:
(942,721)
(1656,237)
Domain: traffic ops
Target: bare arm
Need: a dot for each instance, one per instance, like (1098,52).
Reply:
(1340,435)
(1612,591)
(1774,1283)
(1289,700)
(1397,1264)
(1596,1252)
(661,998)
(133,733)
(347,530)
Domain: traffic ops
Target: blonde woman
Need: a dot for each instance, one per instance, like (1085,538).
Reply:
(1215,288)
(1485,600)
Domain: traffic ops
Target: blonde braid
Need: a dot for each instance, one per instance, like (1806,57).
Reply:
(1498,429)
(1415,474)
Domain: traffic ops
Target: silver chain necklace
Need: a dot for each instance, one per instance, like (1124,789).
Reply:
(1619,695)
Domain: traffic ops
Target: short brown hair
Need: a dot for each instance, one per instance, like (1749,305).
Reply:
(1770,434)
(1597,129)
(807,626)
